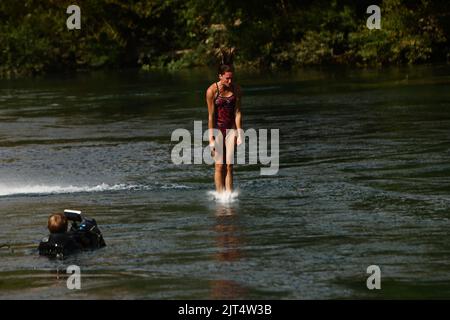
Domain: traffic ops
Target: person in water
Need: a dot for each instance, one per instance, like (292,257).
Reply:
(83,234)
(224,121)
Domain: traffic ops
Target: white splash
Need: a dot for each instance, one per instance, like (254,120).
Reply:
(43,189)
(224,197)
(39,189)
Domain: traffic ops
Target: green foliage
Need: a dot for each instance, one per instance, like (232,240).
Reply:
(176,34)
(408,35)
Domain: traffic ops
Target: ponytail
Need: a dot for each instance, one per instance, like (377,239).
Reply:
(226,56)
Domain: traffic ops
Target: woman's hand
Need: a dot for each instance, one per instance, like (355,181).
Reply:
(239,139)
(212,147)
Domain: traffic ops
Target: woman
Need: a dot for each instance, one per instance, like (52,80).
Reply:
(224,117)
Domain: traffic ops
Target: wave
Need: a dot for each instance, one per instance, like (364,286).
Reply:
(41,189)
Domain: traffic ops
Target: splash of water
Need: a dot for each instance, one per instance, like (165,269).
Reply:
(224,197)
(42,189)
(6,190)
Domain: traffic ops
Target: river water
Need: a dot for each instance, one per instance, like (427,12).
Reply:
(364,179)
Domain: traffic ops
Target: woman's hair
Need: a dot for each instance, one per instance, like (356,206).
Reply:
(226,56)
(57,223)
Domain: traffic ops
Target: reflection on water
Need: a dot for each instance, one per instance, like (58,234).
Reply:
(229,243)
(227,290)
(228,238)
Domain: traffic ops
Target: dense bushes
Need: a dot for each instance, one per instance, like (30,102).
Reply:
(184,33)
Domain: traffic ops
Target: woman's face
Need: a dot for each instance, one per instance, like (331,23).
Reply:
(226,79)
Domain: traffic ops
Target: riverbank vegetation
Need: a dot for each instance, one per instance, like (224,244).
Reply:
(174,34)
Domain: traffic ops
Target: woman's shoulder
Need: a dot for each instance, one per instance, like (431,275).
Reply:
(212,88)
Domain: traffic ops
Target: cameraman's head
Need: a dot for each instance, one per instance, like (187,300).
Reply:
(57,223)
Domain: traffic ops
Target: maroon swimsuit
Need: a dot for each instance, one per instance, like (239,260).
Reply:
(224,113)
(224,116)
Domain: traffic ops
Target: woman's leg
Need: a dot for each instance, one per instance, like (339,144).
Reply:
(219,174)
(219,177)
(230,142)
(229,178)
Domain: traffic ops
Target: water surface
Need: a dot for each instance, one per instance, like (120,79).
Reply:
(363,180)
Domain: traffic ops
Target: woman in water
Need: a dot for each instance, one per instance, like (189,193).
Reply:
(224,122)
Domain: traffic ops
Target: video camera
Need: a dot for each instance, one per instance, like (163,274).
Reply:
(73,215)
(79,222)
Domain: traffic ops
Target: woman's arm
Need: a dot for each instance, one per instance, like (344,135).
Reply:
(210,102)
(238,115)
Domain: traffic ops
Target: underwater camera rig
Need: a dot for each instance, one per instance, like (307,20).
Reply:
(83,234)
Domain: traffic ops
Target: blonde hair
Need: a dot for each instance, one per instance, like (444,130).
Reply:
(57,223)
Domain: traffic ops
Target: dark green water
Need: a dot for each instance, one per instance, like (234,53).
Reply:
(364,180)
